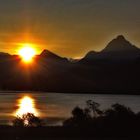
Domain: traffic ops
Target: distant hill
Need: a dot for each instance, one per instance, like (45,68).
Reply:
(115,70)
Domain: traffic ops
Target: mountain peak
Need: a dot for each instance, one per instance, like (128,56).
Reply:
(49,55)
(4,54)
(117,49)
(45,52)
(120,37)
(90,54)
(120,44)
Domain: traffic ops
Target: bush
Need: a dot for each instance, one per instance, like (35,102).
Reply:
(91,116)
(27,120)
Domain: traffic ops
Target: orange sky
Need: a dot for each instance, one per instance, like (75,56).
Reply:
(69,28)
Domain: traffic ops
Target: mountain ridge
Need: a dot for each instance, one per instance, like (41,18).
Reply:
(120,44)
(98,72)
(117,49)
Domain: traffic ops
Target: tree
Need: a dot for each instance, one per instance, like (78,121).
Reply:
(80,117)
(118,118)
(94,107)
(118,110)
(18,122)
(27,120)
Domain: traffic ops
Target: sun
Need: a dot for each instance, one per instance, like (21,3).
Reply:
(27,52)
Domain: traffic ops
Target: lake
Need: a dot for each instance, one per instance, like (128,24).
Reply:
(56,107)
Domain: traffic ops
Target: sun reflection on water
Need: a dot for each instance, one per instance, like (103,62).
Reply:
(26,105)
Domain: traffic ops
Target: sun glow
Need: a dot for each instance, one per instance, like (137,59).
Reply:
(27,52)
(26,105)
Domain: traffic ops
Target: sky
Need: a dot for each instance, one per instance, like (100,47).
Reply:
(69,28)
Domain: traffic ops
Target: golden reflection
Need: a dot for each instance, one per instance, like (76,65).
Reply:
(26,105)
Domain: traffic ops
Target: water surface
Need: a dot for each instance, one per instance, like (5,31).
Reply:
(56,107)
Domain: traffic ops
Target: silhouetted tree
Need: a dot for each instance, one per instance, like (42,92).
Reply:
(27,120)
(94,107)
(118,117)
(18,122)
(80,117)
(118,110)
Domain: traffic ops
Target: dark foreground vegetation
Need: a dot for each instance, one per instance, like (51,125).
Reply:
(116,123)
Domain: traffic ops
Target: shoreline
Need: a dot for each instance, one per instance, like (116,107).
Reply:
(95,92)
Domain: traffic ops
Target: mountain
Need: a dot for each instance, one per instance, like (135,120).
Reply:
(4,54)
(113,70)
(49,55)
(120,44)
(118,49)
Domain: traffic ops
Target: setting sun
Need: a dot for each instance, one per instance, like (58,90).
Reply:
(27,52)
(26,105)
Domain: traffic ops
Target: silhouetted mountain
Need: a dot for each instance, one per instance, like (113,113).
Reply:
(120,44)
(118,49)
(4,54)
(91,54)
(113,70)
(49,55)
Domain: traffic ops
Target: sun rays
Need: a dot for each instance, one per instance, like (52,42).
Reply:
(27,52)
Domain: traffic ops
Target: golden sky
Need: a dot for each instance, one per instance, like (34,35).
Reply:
(69,28)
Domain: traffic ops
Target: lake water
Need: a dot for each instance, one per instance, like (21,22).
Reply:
(55,107)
